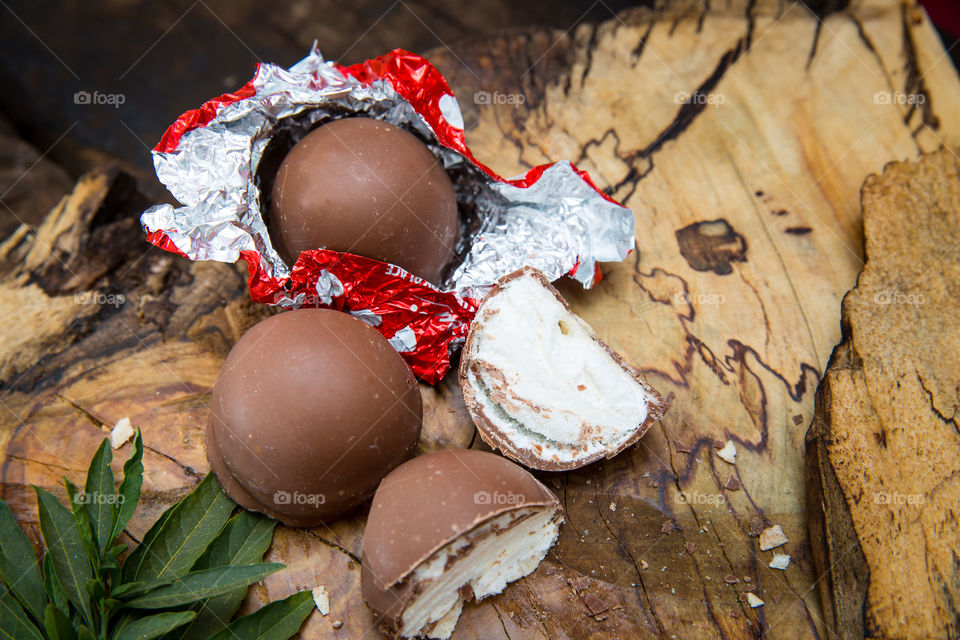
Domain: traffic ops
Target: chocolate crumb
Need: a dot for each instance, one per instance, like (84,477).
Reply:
(732,484)
(594,604)
(667,526)
(731,579)
(466,592)
(756,526)
(690,547)
(797,419)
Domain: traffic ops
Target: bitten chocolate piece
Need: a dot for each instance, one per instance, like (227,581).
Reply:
(311,410)
(364,186)
(447,526)
(542,387)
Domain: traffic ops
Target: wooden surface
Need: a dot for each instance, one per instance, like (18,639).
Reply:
(883,450)
(749,234)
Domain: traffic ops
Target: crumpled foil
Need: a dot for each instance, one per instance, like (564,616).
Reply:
(552,218)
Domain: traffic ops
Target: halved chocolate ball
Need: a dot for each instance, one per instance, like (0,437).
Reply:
(569,400)
(447,527)
(311,410)
(364,186)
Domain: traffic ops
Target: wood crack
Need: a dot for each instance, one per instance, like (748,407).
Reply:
(952,420)
(500,617)
(914,84)
(696,516)
(333,545)
(636,567)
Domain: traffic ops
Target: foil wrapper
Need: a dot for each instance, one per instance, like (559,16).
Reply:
(214,161)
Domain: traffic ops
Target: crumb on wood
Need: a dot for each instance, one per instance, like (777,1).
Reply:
(754,601)
(121,433)
(728,453)
(780,561)
(772,537)
(321,599)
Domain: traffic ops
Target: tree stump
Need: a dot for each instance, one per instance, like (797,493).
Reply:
(739,134)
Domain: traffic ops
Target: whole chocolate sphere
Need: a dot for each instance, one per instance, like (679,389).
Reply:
(311,410)
(363,186)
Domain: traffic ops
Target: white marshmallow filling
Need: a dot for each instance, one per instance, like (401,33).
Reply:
(545,383)
(486,558)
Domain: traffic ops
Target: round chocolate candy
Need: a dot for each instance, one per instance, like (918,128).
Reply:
(311,410)
(364,186)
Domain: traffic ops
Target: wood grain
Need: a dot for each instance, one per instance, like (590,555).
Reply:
(883,477)
(656,542)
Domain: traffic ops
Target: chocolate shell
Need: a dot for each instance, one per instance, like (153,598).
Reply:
(542,387)
(364,186)
(311,410)
(451,526)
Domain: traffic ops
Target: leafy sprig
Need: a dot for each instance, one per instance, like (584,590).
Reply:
(184,581)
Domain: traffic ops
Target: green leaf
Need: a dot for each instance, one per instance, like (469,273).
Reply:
(96,589)
(77,501)
(243,541)
(14,621)
(198,585)
(69,557)
(58,625)
(101,496)
(52,586)
(18,565)
(134,589)
(277,621)
(153,626)
(129,494)
(176,541)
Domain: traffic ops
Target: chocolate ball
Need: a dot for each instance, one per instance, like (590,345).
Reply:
(366,187)
(311,410)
